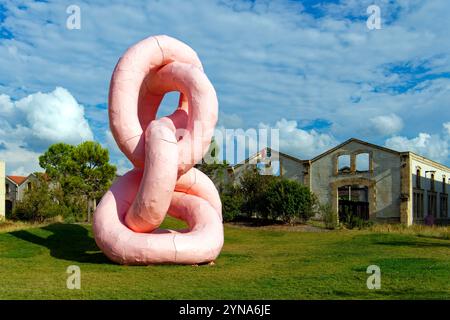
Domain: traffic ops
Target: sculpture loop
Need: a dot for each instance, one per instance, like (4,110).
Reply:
(163,152)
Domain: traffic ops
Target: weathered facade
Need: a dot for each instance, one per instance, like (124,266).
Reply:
(2,191)
(377,183)
(277,163)
(15,188)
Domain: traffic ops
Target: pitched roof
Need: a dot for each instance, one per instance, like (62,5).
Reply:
(354,140)
(17,179)
(432,162)
(426,160)
(259,154)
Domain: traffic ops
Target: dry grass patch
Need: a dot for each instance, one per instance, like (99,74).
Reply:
(437,232)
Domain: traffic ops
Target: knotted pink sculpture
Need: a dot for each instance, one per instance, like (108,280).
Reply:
(163,152)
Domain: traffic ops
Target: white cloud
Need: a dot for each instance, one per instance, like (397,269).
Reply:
(434,147)
(54,116)
(117,158)
(447,129)
(28,126)
(387,124)
(302,143)
(235,145)
(19,161)
(267,60)
(230,120)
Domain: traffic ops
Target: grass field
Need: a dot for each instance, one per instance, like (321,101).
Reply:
(256,263)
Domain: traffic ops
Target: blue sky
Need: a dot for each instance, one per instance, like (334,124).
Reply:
(312,69)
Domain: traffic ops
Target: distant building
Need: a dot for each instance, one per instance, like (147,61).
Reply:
(2,190)
(373,182)
(15,187)
(370,181)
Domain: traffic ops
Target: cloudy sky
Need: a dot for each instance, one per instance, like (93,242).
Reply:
(312,69)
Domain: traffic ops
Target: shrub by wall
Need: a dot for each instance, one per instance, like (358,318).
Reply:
(289,201)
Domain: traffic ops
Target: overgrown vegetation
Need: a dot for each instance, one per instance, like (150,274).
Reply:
(232,202)
(39,203)
(438,232)
(254,188)
(328,216)
(75,177)
(289,201)
(265,197)
(352,221)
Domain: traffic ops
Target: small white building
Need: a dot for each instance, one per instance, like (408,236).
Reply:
(12,189)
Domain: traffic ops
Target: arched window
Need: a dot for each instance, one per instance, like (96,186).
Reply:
(344,163)
(363,162)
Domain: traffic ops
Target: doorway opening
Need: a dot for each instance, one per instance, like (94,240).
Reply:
(353,200)
(8,207)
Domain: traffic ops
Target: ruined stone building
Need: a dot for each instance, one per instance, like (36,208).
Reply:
(373,182)
(2,191)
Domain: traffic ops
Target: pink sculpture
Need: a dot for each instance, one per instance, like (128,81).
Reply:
(163,152)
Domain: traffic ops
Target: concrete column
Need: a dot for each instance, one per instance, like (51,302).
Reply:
(406,193)
(2,190)
(353,163)
(334,200)
(307,174)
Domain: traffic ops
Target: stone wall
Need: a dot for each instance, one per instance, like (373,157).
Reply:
(390,178)
(429,169)
(2,190)
(382,178)
(285,165)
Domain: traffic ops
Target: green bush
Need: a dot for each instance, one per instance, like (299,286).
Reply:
(267,197)
(46,200)
(329,216)
(231,206)
(253,188)
(38,204)
(73,209)
(351,221)
(289,201)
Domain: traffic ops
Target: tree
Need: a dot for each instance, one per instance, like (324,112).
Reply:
(81,171)
(57,160)
(212,166)
(289,200)
(94,173)
(232,201)
(253,187)
(39,202)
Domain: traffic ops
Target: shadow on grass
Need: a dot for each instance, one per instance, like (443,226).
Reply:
(400,240)
(256,222)
(67,242)
(417,244)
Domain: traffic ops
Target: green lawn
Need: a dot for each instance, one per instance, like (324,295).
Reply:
(254,264)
